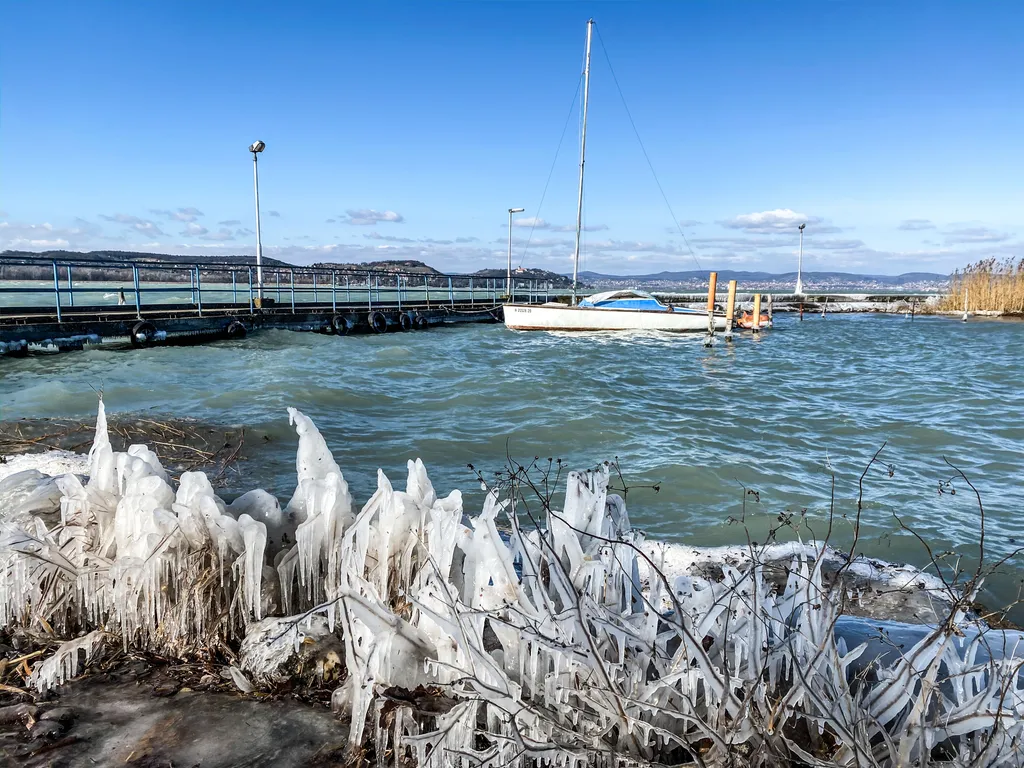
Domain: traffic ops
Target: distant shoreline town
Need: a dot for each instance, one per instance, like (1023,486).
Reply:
(97,269)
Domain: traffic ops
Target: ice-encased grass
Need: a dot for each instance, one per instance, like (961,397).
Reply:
(542,643)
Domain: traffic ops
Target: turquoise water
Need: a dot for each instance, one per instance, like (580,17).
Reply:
(772,415)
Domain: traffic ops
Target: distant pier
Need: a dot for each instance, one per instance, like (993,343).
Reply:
(815,301)
(144,304)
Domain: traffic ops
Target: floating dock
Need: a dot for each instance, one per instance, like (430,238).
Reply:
(163,303)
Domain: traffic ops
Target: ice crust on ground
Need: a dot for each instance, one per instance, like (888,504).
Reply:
(53,463)
(573,642)
(876,588)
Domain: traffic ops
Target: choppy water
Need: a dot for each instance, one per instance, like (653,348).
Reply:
(770,415)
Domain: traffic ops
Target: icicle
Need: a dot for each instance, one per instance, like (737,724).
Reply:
(549,646)
(64,663)
(254,535)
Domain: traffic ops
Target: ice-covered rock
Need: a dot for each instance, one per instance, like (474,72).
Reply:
(277,649)
(30,492)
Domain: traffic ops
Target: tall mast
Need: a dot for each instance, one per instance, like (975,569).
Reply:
(583,157)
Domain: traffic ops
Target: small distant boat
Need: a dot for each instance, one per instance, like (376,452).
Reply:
(614,310)
(611,311)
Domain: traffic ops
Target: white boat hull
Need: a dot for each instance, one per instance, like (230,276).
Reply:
(546,317)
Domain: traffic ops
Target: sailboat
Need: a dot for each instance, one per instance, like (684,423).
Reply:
(613,310)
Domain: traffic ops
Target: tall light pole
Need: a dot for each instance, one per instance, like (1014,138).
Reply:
(508,277)
(800,264)
(256,147)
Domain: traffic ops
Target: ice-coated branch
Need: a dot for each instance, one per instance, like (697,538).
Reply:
(532,633)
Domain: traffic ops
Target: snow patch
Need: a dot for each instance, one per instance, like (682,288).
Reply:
(53,463)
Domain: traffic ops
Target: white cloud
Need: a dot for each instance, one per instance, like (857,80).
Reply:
(914,225)
(531,222)
(188,214)
(17,235)
(963,235)
(14,241)
(275,214)
(774,222)
(837,245)
(369,217)
(194,230)
(388,238)
(144,226)
(537,242)
(229,223)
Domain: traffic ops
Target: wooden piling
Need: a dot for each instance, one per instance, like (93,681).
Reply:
(730,309)
(712,287)
(756,325)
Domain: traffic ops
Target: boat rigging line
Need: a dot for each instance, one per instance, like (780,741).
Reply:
(644,149)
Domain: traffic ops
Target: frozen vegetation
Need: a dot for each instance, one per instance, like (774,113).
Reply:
(528,634)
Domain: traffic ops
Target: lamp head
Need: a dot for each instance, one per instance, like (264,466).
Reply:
(802,227)
(516,210)
(257,146)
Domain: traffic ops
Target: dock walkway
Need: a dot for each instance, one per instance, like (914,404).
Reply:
(86,303)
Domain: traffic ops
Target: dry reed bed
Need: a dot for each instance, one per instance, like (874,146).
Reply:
(182,445)
(989,285)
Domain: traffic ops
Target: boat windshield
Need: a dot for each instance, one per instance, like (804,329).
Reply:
(622,300)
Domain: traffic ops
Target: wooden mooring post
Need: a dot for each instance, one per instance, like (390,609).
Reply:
(712,287)
(730,310)
(755,325)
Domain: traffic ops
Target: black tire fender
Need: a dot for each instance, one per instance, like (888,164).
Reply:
(142,333)
(235,330)
(340,324)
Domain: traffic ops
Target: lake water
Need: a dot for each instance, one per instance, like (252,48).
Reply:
(778,415)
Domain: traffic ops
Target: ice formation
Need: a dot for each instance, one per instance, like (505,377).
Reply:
(556,643)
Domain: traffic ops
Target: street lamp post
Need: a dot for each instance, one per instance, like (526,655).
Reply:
(256,147)
(508,278)
(800,264)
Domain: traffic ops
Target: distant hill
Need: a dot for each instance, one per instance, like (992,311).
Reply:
(753,277)
(102,260)
(557,280)
(139,256)
(94,269)
(391,265)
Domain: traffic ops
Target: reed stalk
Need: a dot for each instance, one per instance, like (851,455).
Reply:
(990,285)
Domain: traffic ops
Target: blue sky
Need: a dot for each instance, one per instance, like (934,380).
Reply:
(896,131)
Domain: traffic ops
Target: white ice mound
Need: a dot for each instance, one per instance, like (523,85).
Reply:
(29,492)
(164,568)
(562,643)
(53,463)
